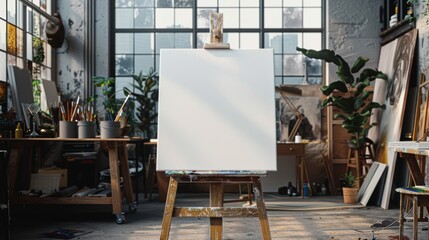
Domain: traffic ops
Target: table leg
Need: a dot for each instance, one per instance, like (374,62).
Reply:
(125,171)
(415,217)
(401,216)
(114,177)
(216,200)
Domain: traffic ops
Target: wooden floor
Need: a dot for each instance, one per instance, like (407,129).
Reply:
(289,218)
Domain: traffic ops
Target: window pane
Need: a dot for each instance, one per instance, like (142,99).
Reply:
(164,18)
(29,20)
(228,3)
(273,17)
(124,64)
(144,43)
(274,41)
(19,42)
(124,18)
(164,40)
(290,42)
(143,63)
(249,3)
(164,3)
(293,80)
(183,40)
(312,18)
(48,53)
(124,43)
(312,3)
(29,47)
(204,38)
(124,3)
(230,17)
(273,3)
(183,18)
(19,13)
(144,3)
(292,17)
(2,66)
(207,3)
(249,40)
(11,11)
(232,39)
(120,83)
(144,18)
(11,39)
(3,9)
(183,3)
(2,35)
(204,17)
(293,65)
(249,18)
(11,59)
(292,3)
(278,64)
(312,41)
(36,24)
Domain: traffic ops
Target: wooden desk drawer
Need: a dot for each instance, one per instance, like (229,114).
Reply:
(290,148)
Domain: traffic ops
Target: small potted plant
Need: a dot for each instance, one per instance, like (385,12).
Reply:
(348,183)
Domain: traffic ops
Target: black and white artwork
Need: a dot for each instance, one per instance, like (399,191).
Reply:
(309,108)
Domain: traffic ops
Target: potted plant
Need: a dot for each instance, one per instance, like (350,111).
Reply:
(108,126)
(353,101)
(348,183)
(145,95)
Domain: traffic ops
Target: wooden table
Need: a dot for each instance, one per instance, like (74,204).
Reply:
(117,155)
(297,150)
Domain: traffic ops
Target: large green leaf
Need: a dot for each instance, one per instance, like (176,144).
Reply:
(325,54)
(343,71)
(359,64)
(337,85)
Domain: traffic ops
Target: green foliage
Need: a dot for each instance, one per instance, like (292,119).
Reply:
(353,102)
(107,86)
(39,51)
(348,180)
(145,96)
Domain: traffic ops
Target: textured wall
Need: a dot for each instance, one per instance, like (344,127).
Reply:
(70,58)
(422,25)
(354,30)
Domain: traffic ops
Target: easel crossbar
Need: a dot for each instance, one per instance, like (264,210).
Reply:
(215,212)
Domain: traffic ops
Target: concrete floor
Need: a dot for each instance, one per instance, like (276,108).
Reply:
(289,218)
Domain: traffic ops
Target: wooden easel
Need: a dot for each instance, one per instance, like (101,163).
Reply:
(216,211)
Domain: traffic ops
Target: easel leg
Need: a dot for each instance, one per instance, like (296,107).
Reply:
(169,207)
(265,227)
(401,216)
(216,200)
(114,178)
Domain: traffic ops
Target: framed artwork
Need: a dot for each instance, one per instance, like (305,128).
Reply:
(396,62)
(309,108)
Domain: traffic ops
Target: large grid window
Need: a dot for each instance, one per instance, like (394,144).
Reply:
(143,27)
(22,39)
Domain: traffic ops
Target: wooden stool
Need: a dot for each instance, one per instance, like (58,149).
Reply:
(419,200)
(358,159)
(216,211)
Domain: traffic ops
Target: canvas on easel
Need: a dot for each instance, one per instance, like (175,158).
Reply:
(216,110)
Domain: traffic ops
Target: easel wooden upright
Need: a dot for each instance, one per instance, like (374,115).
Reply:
(216,212)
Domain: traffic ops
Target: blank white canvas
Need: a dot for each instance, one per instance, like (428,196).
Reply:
(216,110)
(371,181)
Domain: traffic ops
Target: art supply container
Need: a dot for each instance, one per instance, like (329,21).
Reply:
(86,129)
(110,129)
(68,129)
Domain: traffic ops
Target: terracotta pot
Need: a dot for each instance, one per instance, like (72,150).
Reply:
(350,195)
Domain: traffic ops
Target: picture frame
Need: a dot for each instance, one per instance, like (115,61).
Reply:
(421,111)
